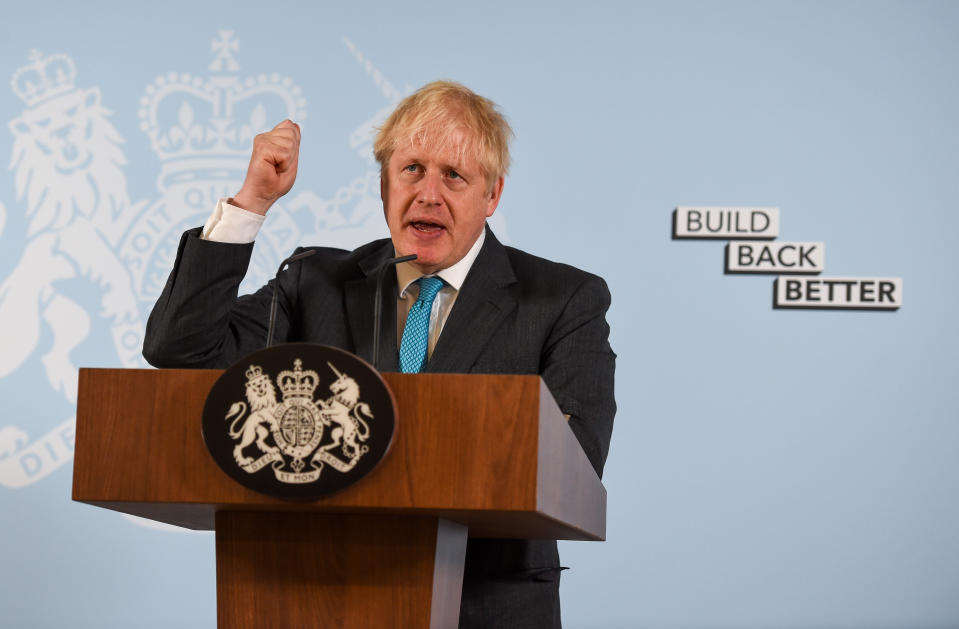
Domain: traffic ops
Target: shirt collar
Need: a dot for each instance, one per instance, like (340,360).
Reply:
(455,275)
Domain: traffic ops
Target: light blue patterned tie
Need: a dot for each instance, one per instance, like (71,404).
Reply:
(416,334)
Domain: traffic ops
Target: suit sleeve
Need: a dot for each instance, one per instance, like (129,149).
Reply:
(198,320)
(579,366)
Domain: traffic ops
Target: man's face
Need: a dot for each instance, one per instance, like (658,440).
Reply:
(436,204)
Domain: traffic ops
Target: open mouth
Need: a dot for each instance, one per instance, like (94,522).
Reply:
(426,227)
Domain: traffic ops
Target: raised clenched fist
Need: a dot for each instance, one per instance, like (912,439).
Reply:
(272,169)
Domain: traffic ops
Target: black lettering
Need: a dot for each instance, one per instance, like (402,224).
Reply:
(793,290)
(812,290)
(739,229)
(865,291)
(766,256)
(885,290)
(753,221)
(709,226)
(804,255)
(849,286)
(746,260)
(694,216)
(780,256)
(829,284)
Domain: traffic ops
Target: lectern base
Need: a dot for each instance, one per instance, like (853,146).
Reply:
(303,570)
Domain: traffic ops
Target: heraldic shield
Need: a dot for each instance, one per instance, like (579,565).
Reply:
(299,420)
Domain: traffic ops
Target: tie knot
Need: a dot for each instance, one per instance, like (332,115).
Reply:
(429,286)
(413,347)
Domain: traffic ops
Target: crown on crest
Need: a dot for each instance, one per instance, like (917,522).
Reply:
(298,383)
(255,374)
(198,124)
(44,78)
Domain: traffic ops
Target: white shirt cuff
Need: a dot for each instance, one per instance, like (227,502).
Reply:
(232,224)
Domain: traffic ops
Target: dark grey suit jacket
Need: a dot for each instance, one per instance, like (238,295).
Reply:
(515,314)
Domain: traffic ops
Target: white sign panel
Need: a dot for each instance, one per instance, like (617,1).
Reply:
(775,257)
(726,222)
(872,293)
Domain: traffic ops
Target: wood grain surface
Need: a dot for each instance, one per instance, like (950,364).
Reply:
(492,452)
(295,570)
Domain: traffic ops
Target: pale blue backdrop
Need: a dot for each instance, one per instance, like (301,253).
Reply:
(768,468)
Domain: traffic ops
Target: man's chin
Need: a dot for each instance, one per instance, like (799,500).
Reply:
(427,266)
(428,259)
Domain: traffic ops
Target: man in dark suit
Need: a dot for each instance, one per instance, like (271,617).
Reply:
(493,309)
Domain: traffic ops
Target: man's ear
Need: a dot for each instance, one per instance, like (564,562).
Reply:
(382,187)
(495,193)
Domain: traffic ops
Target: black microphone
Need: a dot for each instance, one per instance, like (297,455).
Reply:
(276,285)
(378,305)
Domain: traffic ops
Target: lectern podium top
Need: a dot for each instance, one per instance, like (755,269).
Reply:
(492,452)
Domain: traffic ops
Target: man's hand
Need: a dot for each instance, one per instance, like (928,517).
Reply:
(272,169)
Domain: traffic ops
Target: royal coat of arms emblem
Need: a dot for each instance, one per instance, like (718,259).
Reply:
(301,445)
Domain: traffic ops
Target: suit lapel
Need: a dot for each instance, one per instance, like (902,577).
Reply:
(483,302)
(360,295)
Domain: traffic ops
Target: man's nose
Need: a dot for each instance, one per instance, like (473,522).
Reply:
(430,191)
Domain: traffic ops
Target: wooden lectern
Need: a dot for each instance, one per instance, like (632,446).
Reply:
(478,455)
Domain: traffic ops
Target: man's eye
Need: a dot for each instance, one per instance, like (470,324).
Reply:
(454,175)
(412,168)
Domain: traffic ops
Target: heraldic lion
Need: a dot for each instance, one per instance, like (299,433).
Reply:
(256,427)
(67,164)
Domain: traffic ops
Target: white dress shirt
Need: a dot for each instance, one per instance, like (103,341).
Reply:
(233,224)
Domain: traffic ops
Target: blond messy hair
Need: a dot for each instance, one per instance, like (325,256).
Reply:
(448,117)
